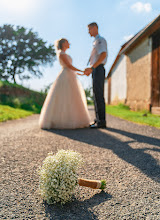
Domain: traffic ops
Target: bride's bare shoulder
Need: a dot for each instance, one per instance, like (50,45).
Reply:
(61,52)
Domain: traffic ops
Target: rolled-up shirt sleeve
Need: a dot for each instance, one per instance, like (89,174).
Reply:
(101,46)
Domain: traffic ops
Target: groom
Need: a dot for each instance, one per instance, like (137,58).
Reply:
(97,60)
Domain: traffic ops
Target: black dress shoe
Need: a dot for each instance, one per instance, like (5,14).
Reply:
(97,126)
(93,123)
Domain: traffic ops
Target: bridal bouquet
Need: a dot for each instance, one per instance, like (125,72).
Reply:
(58,177)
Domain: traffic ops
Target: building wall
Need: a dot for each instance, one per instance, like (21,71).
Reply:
(118,82)
(106,91)
(139,76)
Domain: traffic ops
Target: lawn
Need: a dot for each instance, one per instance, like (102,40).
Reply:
(9,113)
(140,117)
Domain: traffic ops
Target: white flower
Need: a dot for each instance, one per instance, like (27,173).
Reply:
(58,176)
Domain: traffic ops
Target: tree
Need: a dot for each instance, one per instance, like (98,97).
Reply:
(89,96)
(22,52)
(46,88)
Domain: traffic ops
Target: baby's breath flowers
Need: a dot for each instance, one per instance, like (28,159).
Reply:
(58,176)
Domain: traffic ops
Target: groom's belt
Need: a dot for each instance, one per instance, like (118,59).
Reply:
(100,65)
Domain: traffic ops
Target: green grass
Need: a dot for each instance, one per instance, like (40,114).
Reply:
(9,113)
(124,112)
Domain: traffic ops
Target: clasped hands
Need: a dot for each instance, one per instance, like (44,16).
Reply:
(86,72)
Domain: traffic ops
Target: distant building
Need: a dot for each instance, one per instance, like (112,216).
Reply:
(134,78)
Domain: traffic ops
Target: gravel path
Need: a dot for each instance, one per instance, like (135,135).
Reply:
(127,155)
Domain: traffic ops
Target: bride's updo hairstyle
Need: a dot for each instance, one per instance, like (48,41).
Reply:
(59,43)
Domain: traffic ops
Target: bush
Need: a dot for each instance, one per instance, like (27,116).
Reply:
(20,97)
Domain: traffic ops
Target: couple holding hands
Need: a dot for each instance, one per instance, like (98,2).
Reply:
(65,106)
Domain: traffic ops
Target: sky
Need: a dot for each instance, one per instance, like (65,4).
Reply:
(118,21)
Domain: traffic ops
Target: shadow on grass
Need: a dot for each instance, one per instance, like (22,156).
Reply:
(136,157)
(80,210)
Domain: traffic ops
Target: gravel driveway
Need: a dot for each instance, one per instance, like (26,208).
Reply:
(127,155)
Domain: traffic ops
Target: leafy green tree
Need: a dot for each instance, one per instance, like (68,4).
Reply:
(89,96)
(22,53)
(46,89)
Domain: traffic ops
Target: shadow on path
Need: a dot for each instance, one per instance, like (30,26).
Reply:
(137,137)
(77,210)
(137,157)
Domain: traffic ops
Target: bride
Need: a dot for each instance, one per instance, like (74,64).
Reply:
(65,106)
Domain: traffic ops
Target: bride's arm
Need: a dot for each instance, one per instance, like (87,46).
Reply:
(80,74)
(64,58)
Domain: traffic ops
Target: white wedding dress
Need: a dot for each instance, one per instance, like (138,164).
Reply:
(65,106)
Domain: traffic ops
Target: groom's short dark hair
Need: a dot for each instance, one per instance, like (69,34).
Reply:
(93,24)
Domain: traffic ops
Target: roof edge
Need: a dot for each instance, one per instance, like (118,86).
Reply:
(139,34)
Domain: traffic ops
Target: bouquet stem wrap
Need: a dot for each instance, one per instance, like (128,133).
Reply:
(94,184)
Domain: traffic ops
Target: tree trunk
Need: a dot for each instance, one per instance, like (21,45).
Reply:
(14,79)
(13,76)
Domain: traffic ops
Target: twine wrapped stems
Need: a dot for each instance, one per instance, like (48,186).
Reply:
(94,184)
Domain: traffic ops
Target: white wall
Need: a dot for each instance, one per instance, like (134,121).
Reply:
(106,91)
(119,81)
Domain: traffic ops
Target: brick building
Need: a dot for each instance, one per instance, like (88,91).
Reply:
(134,78)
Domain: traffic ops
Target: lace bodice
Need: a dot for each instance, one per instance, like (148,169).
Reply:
(61,62)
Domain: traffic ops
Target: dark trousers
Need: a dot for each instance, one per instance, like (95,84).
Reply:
(98,77)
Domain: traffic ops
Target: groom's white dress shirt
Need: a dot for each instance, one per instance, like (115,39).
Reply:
(99,46)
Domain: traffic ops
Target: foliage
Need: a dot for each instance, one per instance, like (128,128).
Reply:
(22,52)
(22,102)
(89,95)
(46,89)
(141,117)
(25,99)
(8,84)
(8,113)
(103,184)
(58,176)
